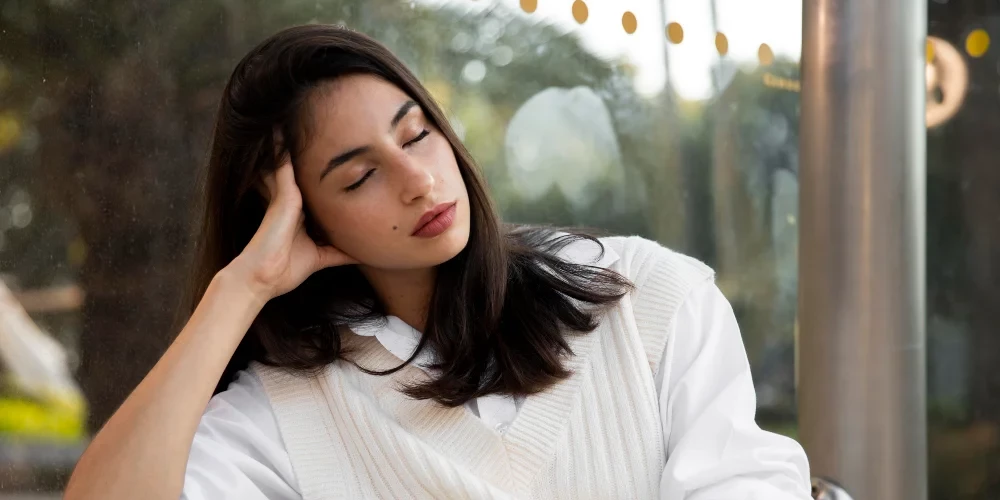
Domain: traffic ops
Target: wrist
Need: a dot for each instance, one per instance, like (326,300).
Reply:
(237,283)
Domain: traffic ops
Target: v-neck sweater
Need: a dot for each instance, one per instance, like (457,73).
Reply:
(354,435)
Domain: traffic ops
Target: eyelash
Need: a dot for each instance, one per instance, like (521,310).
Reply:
(423,135)
(358,184)
(418,138)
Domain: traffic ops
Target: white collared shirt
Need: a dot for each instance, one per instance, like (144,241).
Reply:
(715,450)
(400,339)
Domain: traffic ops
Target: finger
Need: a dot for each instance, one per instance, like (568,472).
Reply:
(281,155)
(281,158)
(330,256)
(284,180)
(266,186)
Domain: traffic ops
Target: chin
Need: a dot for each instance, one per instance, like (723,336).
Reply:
(437,251)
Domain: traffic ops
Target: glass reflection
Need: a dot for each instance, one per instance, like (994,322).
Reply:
(679,123)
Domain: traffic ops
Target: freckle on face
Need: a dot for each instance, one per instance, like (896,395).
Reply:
(394,228)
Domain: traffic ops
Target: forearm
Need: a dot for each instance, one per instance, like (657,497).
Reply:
(143,448)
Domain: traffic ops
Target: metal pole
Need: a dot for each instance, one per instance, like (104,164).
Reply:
(861,246)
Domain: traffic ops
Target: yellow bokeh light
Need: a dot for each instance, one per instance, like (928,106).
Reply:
(580,11)
(529,6)
(977,43)
(629,22)
(721,43)
(765,55)
(675,33)
(10,130)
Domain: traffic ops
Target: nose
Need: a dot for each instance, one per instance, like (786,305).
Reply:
(417,180)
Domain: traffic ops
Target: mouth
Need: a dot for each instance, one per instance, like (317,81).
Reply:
(436,220)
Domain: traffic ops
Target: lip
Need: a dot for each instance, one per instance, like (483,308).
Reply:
(435,221)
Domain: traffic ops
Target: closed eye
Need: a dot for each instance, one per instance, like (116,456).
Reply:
(418,138)
(361,181)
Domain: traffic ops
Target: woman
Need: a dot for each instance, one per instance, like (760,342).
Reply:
(343,218)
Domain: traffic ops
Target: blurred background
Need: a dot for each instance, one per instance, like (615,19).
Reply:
(676,120)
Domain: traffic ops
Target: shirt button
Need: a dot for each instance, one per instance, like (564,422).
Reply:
(501,427)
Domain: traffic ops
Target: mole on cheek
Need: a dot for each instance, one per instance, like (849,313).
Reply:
(394,228)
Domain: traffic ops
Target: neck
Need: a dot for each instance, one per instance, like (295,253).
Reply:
(405,294)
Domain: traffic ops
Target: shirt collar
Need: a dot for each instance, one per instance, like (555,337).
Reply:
(401,339)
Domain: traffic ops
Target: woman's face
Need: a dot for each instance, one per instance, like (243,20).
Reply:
(373,173)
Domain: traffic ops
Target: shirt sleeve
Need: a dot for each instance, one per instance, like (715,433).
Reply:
(715,450)
(237,452)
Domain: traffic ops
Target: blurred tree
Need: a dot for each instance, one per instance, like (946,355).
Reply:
(740,155)
(754,138)
(119,147)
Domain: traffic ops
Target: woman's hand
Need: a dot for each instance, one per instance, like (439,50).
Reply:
(281,255)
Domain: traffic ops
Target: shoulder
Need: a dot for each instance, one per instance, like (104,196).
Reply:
(651,265)
(245,396)
(664,281)
(645,263)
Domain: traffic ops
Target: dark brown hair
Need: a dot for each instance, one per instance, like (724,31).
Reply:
(500,309)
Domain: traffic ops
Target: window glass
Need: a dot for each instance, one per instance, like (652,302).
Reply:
(674,120)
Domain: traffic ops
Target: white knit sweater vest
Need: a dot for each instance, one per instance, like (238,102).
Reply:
(594,435)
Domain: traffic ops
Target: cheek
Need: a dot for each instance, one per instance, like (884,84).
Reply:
(363,228)
(358,224)
(444,158)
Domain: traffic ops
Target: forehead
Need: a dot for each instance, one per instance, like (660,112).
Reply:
(354,105)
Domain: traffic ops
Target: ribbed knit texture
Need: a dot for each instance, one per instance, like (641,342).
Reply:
(594,435)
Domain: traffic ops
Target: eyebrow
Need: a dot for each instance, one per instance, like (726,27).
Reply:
(349,155)
(402,112)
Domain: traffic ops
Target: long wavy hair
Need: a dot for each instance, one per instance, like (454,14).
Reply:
(500,310)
